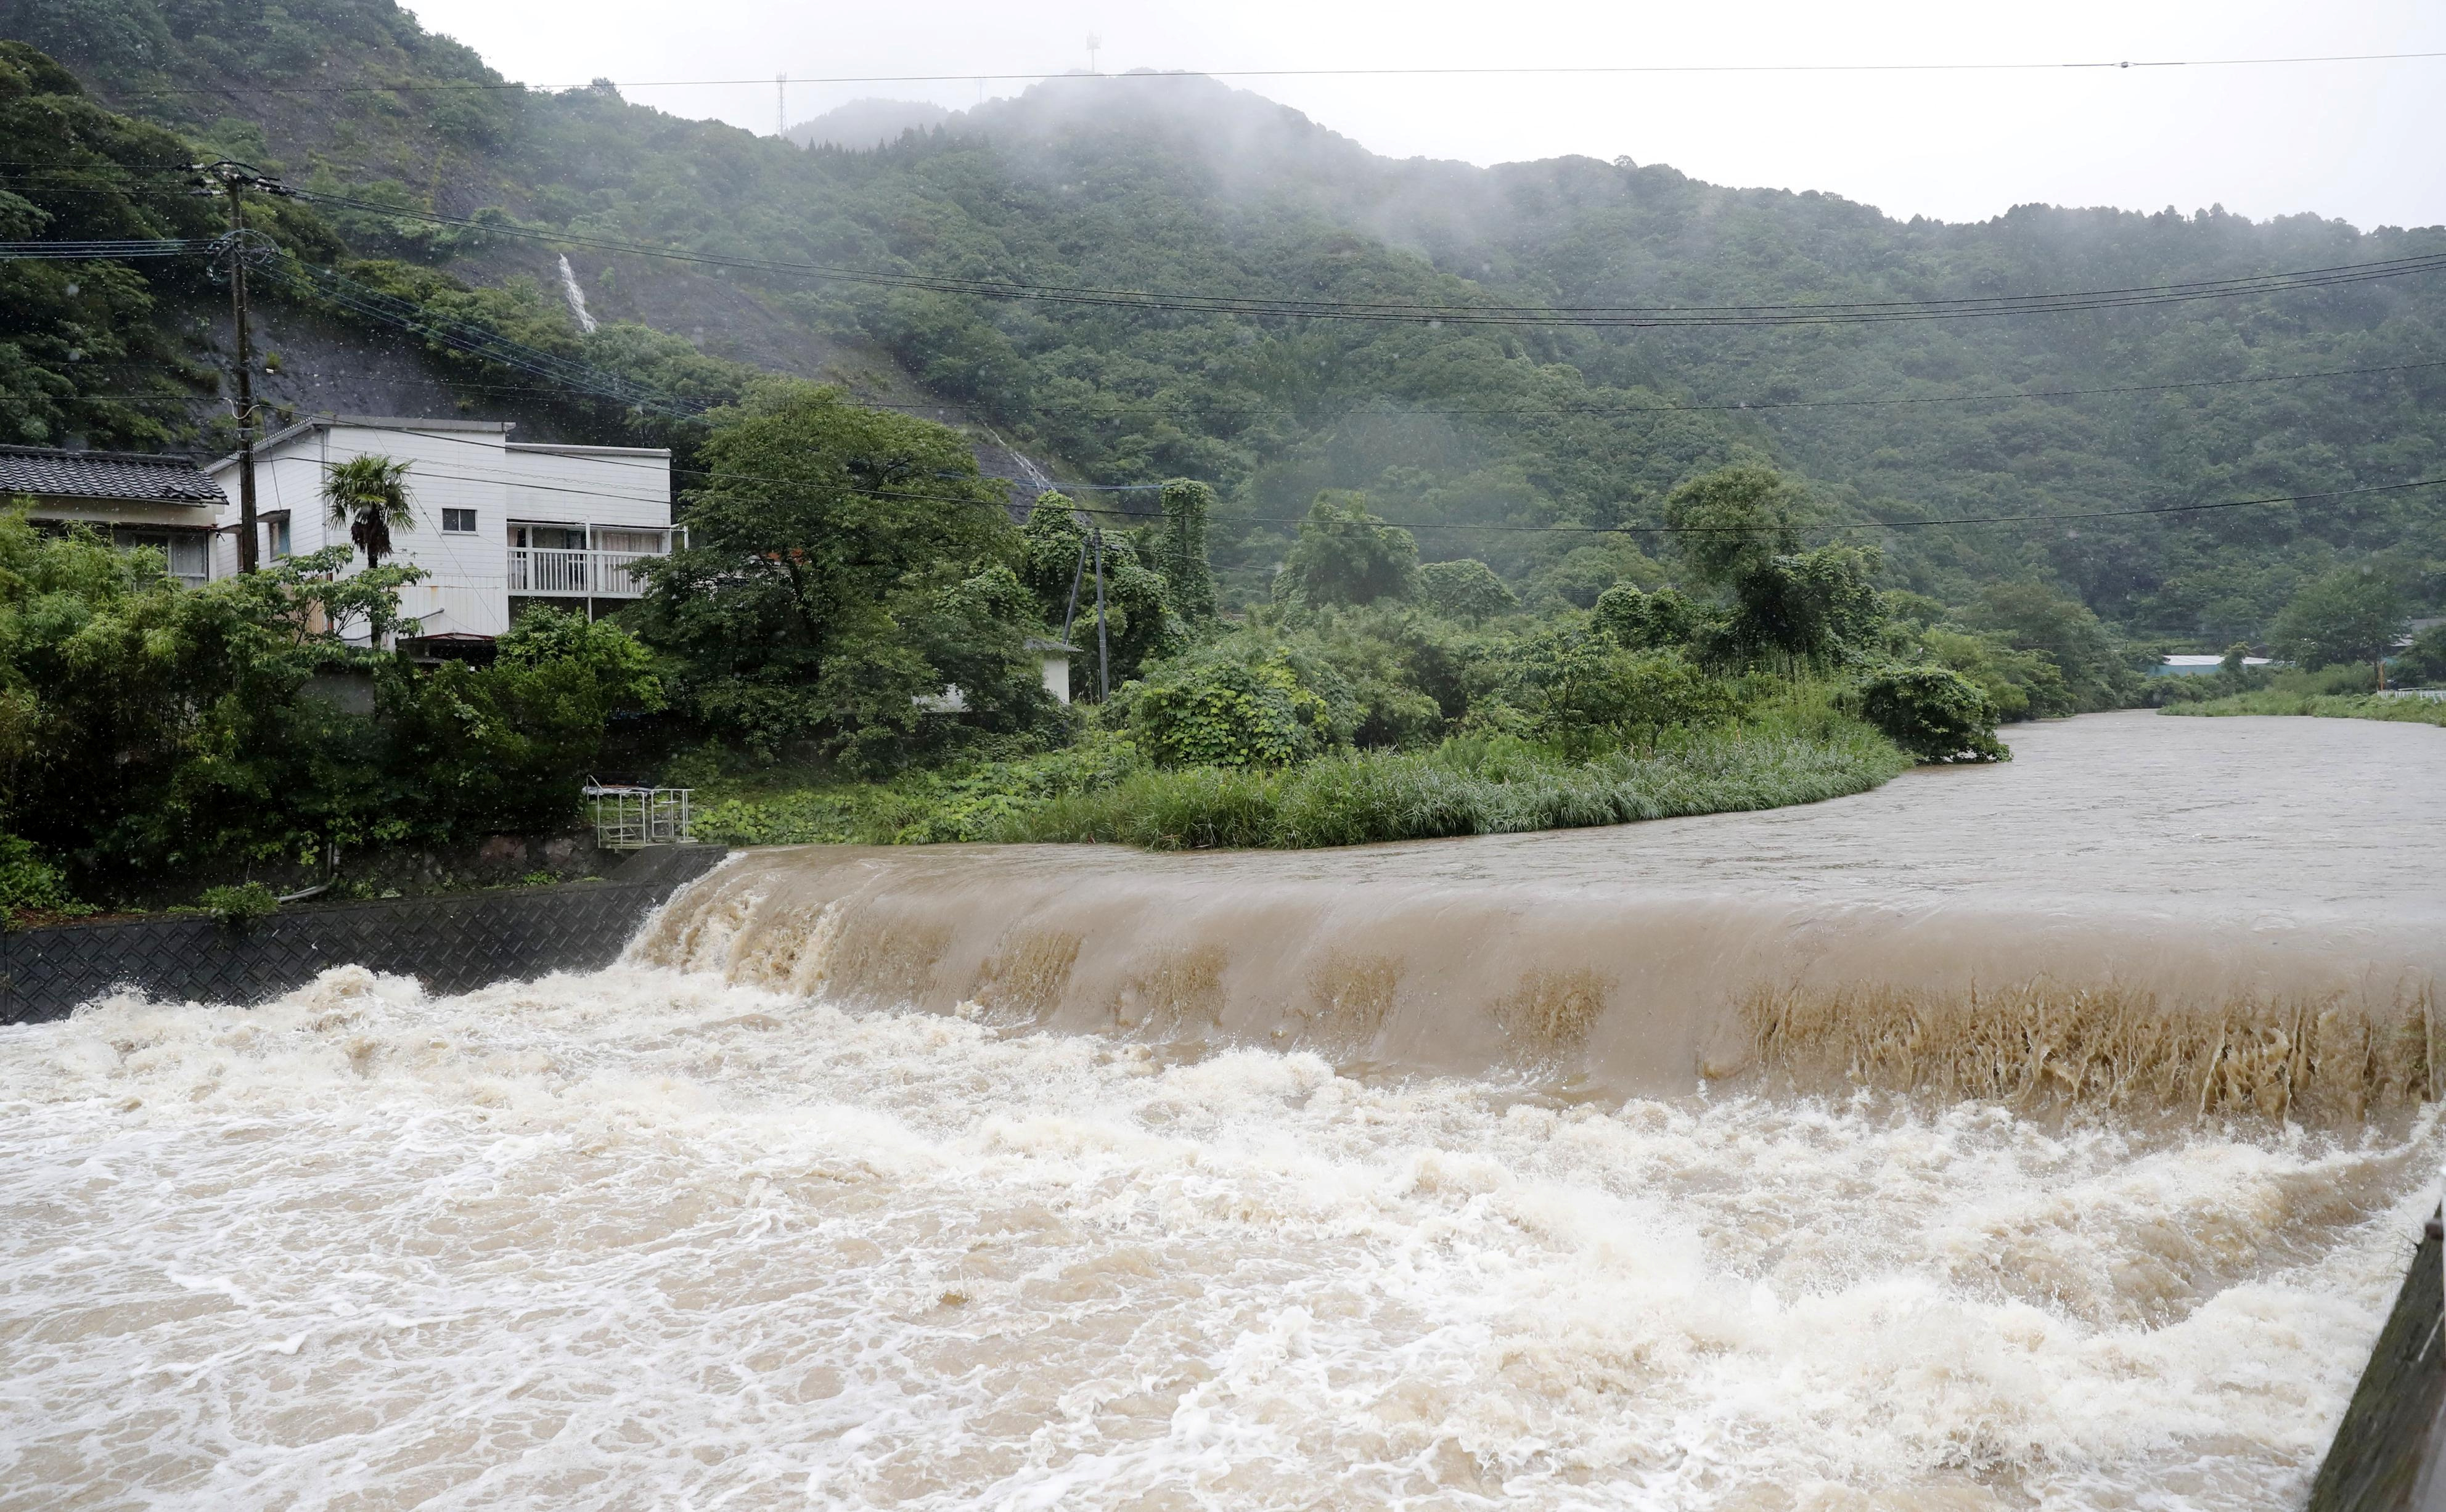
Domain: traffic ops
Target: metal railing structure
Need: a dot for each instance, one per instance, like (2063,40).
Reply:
(578,573)
(634,818)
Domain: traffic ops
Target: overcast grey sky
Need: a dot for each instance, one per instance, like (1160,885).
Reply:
(2357,140)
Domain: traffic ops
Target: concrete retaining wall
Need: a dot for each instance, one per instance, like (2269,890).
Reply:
(452,942)
(2386,1454)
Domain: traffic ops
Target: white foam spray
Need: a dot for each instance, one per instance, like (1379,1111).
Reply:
(648,1238)
(575,295)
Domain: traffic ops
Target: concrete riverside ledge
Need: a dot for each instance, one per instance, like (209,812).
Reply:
(452,942)
(2387,1453)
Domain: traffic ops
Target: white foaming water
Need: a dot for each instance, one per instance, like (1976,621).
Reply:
(575,295)
(649,1239)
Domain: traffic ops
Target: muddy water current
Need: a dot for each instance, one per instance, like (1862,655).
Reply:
(2046,1135)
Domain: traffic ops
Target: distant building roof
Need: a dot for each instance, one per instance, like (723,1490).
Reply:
(2204,664)
(128,477)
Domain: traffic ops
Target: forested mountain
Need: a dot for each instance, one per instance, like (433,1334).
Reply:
(1467,432)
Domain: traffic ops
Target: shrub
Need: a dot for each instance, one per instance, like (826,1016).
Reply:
(1647,621)
(238,908)
(1240,705)
(1934,714)
(1586,694)
(1467,590)
(31,884)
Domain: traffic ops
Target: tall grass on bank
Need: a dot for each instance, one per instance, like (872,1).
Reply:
(1463,787)
(2404,711)
(1791,750)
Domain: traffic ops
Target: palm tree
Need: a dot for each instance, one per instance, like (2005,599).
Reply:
(369,496)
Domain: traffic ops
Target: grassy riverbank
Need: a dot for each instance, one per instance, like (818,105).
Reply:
(1104,790)
(2324,706)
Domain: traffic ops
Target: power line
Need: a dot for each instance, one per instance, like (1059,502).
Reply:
(1420,313)
(1498,527)
(1471,70)
(1382,405)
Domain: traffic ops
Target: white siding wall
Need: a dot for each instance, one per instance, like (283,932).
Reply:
(457,466)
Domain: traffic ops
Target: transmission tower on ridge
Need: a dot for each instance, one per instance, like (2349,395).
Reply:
(1094,42)
(781,104)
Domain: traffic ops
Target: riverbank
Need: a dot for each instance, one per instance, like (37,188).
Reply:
(2400,711)
(1105,791)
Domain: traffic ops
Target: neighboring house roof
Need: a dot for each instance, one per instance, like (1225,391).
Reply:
(2204,664)
(278,437)
(124,477)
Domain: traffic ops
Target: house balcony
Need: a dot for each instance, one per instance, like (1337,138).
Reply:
(544,572)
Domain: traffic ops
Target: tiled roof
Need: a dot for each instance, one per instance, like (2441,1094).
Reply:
(125,476)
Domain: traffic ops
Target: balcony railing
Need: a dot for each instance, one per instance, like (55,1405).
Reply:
(577,574)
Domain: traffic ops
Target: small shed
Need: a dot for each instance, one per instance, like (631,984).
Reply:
(1053,658)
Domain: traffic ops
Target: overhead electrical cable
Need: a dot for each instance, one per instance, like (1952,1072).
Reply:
(1498,527)
(1422,313)
(1382,405)
(107,250)
(1432,71)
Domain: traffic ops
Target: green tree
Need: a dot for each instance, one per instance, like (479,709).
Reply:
(1347,556)
(1586,694)
(1240,703)
(369,496)
(1180,549)
(1467,591)
(2033,617)
(1644,621)
(2350,614)
(2423,662)
(826,536)
(506,747)
(1057,560)
(1729,524)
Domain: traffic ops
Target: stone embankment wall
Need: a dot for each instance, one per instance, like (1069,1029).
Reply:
(2387,1453)
(451,942)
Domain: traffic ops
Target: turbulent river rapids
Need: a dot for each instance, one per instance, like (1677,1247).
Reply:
(2048,1135)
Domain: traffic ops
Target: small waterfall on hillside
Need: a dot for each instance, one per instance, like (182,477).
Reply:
(575,295)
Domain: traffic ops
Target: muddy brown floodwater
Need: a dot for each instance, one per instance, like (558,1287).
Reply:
(2043,1134)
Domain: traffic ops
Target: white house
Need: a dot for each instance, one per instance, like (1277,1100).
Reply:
(499,523)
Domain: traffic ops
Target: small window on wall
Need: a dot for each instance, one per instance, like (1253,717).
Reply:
(276,532)
(459,521)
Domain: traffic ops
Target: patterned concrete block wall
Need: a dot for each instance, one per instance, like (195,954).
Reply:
(452,942)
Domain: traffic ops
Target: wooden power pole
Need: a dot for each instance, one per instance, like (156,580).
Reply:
(233,180)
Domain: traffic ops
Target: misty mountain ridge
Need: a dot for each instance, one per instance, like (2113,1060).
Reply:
(1182,183)
(862,125)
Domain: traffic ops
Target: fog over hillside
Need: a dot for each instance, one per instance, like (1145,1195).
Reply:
(1506,440)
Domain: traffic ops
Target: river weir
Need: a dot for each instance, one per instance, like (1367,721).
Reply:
(2044,1135)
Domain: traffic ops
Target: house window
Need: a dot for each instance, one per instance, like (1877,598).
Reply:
(459,521)
(184,553)
(276,535)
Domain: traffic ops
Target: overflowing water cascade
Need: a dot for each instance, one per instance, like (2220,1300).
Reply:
(2043,1135)
(575,295)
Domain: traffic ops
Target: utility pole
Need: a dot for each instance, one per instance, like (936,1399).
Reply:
(1103,650)
(234,184)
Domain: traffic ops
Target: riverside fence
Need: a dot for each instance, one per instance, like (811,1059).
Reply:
(451,941)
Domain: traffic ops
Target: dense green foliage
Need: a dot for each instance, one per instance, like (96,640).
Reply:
(844,567)
(1182,184)
(147,726)
(1471,785)
(2347,616)
(1934,714)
